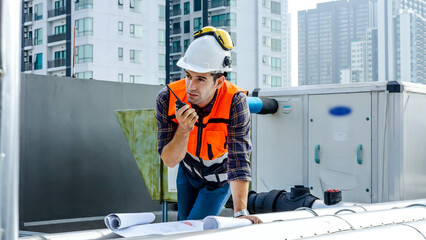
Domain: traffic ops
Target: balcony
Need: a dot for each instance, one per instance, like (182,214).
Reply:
(28,66)
(56,63)
(175,31)
(219,3)
(28,42)
(56,38)
(28,17)
(175,12)
(175,69)
(56,12)
(175,50)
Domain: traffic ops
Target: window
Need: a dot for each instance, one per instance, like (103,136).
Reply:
(86,75)
(38,36)
(161,37)
(84,53)
(120,28)
(161,13)
(197,5)
(135,31)
(162,81)
(84,27)
(234,58)
(120,54)
(60,55)
(232,77)
(176,28)
(120,77)
(161,62)
(275,81)
(186,27)
(38,11)
(60,29)
(59,4)
(120,4)
(197,24)
(38,64)
(276,64)
(176,47)
(275,26)
(228,19)
(275,7)
(276,45)
(136,5)
(83,4)
(186,43)
(186,8)
(135,78)
(135,56)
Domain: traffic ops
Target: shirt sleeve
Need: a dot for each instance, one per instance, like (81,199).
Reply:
(239,143)
(165,127)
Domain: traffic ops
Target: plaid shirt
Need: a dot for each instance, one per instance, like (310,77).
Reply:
(239,144)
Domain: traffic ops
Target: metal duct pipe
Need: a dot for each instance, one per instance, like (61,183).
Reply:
(10,45)
(262,105)
(280,200)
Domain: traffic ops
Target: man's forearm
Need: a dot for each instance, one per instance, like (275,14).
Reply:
(175,150)
(239,191)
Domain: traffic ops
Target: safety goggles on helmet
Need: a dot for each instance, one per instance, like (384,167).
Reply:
(221,36)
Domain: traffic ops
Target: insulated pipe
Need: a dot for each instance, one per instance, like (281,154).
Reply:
(262,105)
(313,226)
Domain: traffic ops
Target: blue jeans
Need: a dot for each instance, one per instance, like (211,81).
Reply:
(195,201)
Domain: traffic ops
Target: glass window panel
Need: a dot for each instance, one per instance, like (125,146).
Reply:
(186,8)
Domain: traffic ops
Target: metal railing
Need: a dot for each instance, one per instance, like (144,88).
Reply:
(175,12)
(56,12)
(28,66)
(219,3)
(176,31)
(56,37)
(175,49)
(28,42)
(56,63)
(28,17)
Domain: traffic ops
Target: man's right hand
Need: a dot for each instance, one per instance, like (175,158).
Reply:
(186,117)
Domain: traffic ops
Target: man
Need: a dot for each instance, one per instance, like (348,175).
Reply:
(209,136)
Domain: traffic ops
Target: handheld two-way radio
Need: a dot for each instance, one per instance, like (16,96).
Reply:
(178,102)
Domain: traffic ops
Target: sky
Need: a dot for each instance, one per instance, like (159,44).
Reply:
(293,7)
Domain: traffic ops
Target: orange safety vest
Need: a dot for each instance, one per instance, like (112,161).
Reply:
(208,140)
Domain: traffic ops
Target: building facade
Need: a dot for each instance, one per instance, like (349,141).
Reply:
(402,30)
(113,40)
(325,38)
(260,31)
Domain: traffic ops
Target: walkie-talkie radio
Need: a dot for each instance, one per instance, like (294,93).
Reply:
(178,102)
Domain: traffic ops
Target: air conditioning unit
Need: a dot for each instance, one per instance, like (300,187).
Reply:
(25,54)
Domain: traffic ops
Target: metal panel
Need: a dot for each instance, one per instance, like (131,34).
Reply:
(414,150)
(340,145)
(75,161)
(280,146)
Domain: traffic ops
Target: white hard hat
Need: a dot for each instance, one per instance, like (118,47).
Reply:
(205,54)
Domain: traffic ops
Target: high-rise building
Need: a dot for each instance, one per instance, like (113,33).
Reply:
(364,58)
(260,31)
(402,30)
(325,37)
(114,40)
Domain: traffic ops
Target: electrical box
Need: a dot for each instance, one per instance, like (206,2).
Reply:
(365,139)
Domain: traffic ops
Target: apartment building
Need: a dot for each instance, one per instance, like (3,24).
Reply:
(260,31)
(402,32)
(112,40)
(326,35)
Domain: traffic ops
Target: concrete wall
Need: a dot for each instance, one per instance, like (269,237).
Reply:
(75,161)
